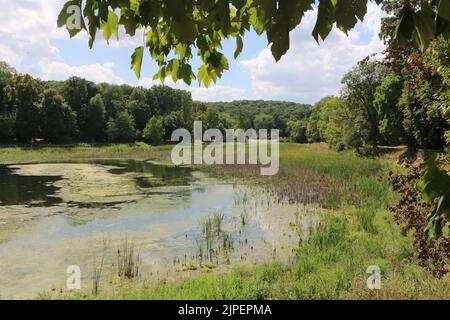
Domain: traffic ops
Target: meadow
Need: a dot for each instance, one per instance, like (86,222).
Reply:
(14,154)
(355,232)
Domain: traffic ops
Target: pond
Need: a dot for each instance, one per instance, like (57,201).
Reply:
(177,221)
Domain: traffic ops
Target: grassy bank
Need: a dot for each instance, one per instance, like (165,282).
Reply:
(27,153)
(356,233)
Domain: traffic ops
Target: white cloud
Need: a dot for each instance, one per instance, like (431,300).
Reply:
(26,29)
(94,72)
(308,71)
(217,93)
(210,94)
(149,82)
(26,32)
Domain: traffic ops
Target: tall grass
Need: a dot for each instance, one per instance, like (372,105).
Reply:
(332,261)
(27,153)
(127,260)
(211,232)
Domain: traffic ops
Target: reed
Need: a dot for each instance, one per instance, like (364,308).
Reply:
(128,261)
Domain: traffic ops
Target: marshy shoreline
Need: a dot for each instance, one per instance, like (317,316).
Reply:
(354,231)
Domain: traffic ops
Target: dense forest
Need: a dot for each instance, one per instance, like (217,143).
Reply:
(404,99)
(80,110)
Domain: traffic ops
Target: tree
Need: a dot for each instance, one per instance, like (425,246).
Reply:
(263,121)
(297,130)
(390,115)
(168,99)
(312,130)
(6,72)
(172,122)
(154,131)
(334,124)
(279,122)
(22,94)
(205,24)
(425,98)
(139,108)
(121,129)
(424,70)
(7,117)
(243,119)
(95,119)
(59,122)
(187,107)
(77,93)
(7,127)
(225,122)
(359,89)
(114,98)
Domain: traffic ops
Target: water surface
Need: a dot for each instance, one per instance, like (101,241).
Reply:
(56,215)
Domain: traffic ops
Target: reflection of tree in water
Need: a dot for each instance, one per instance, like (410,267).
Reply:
(27,190)
(154,175)
(40,190)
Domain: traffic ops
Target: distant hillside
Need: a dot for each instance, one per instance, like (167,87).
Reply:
(255,107)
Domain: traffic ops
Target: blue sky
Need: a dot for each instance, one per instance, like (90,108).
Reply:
(30,41)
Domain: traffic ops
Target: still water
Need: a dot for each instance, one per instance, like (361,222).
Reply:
(56,215)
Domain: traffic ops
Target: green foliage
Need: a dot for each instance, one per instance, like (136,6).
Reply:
(425,99)
(169,100)
(335,124)
(297,131)
(139,108)
(435,184)
(121,129)
(359,87)
(59,122)
(422,24)
(23,95)
(172,122)
(114,98)
(6,69)
(263,121)
(83,152)
(77,93)
(389,113)
(7,127)
(154,131)
(6,72)
(312,129)
(242,114)
(95,115)
(204,25)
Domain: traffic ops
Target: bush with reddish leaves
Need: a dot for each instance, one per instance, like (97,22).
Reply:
(411,213)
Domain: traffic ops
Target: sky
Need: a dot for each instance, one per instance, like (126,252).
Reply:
(31,43)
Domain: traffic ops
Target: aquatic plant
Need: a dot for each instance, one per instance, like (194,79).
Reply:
(218,218)
(97,274)
(244,218)
(128,261)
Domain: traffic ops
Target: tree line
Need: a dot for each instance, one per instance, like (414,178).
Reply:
(77,110)
(404,99)
(396,101)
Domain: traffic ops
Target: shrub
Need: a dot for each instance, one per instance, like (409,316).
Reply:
(121,129)
(154,131)
(7,127)
(59,121)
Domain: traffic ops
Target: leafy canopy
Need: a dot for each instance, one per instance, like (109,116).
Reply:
(434,185)
(173,29)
